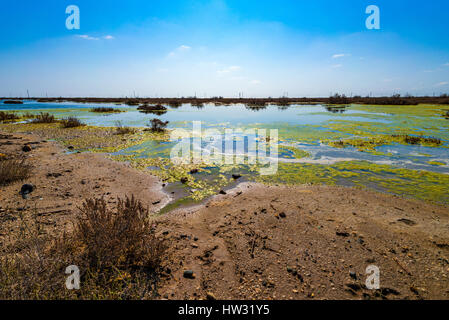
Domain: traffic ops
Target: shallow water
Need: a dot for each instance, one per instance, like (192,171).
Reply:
(303,129)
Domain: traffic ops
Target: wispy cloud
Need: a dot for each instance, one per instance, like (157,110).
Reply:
(340,55)
(108,37)
(228,70)
(444,83)
(446,64)
(87,37)
(180,49)
(336,66)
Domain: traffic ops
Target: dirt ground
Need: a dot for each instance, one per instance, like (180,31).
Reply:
(63,180)
(256,241)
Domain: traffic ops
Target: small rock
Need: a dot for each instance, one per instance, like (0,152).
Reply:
(282,215)
(236,176)
(26,190)
(193,171)
(353,275)
(342,234)
(222,192)
(26,148)
(210,296)
(407,222)
(188,274)
(184,180)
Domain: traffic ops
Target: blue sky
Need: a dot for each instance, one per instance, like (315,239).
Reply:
(223,47)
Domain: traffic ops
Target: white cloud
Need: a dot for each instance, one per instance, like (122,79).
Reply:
(255,82)
(108,37)
(183,48)
(340,55)
(87,37)
(228,70)
(444,83)
(335,66)
(180,49)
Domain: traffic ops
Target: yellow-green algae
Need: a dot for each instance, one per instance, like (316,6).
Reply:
(86,138)
(436,163)
(290,152)
(369,144)
(424,185)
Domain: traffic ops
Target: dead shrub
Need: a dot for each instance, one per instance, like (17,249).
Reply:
(13,170)
(157,125)
(115,249)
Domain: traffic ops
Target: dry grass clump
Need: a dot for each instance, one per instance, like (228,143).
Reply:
(121,129)
(44,118)
(121,238)
(8,116)
(115,249)
(71,122)
(13,170)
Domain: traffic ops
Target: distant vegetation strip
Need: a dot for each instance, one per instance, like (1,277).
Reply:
(335,99)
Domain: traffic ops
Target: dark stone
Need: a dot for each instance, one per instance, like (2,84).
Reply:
(407,222)
(353,275)
(26,148)
(236,176)
(342,234)
(387,291)
(193,171)
(184,180)
(282,215)
(222,192)
(26,190)
(188,274)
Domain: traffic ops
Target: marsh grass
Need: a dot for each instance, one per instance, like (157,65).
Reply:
(72,122)
(157,109)
(105,110)
(115,249)
(13,170)
(44,118)
(8,116)
(121,129)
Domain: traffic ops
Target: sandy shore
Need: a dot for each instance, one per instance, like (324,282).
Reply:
(255,242)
